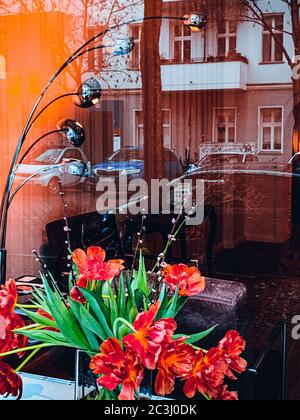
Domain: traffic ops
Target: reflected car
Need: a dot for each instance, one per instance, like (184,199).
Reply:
(130,162)
(51,177)
(224,160)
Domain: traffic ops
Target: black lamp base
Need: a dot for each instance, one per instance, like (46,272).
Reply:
(3,256)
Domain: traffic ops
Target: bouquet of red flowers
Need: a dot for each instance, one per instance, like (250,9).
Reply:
(125,322)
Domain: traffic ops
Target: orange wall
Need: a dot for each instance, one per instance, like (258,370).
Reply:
(33,46)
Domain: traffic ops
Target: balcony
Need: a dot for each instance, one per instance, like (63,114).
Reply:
(211,74)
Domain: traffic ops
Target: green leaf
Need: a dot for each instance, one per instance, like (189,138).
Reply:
(195,338)
(171,311)
(163,293)
(180,304)
(65,319)
(39,319)
(133,314)
(98,292)
(93,302)
(91,337)
(131,294)
(90,323)
(123,331)
(40,298)
(113,305)
(50,337)
(139,300)
(122,297)
(164,301)
(140,281)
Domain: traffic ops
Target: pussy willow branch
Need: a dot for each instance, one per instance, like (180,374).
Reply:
(140,235)
(171,238)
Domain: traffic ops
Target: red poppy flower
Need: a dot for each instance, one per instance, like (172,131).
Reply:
(226,395)
(8,339)
(92,265)
(149,337)
(189,279)
(176,360)
(232,346)
(207,374)
(48,316)
(118,368)
(10,382)
(8,297)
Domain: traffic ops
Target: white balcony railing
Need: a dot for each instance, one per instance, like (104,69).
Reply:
(197,76)
(205,76)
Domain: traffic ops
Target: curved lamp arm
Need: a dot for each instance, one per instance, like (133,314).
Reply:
(36,142)
(66,95)
(40,171)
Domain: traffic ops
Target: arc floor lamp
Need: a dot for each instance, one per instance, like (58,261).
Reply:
(88,95)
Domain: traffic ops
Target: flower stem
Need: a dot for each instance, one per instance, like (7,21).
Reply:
(32,354)
(27,306)
(40,346)
(28,327)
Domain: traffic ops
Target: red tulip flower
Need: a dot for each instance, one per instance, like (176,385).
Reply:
(149,336)
(188,279)
(226,395)
(207,374)
(77,296)
(92,265)
(8,339)
(8,297)
(176,360)
(10,382)
(118,367)
(232,346)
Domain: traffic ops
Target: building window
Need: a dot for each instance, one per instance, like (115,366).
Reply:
(95,57)
(167,128)
(136,33)
(226,37)
(225,125)
(182,49)
(271,129)
(272,50)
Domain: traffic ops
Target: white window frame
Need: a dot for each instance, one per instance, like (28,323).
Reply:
(137,42)
(227,37)
(271,125)
(273,43)
(182,39)
(169,126)
(215,130)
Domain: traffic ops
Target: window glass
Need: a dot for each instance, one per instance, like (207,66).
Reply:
(273,43)
(227,37)
(216,106)
(182,43)
(271,126)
